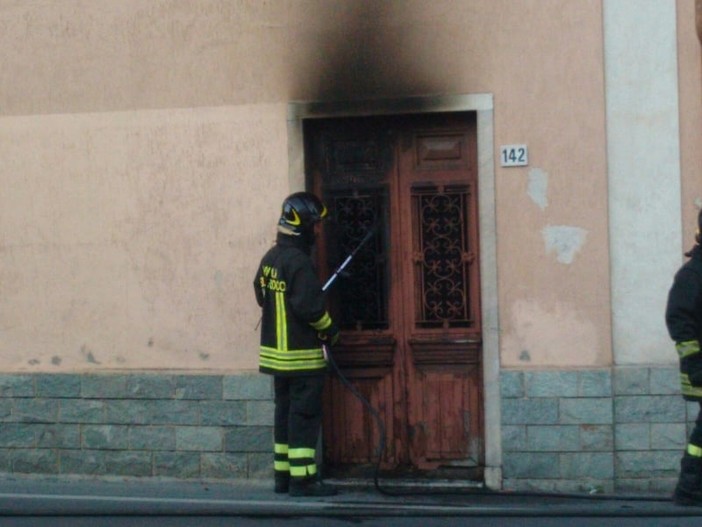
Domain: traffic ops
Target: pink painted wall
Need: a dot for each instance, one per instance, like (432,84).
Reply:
(143,156)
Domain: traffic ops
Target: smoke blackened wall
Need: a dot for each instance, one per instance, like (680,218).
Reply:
(361,50)
(140,54)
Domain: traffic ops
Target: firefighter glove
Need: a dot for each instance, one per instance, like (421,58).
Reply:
(329,335)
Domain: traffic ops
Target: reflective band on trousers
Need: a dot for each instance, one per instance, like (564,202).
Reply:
(687,388)
(302,462)
(694,450)
(280,461)
(281,466)
(301,453)
(301,472)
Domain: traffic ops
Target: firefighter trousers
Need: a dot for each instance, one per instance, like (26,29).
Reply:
(298,416)
(694,446)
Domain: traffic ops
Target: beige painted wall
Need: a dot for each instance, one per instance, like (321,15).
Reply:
(554,294)
(690,68)
(125,237)
(143,157)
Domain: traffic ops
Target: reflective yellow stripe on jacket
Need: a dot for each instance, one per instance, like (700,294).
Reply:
(281,321)
(292,360)
(285,360)
(687,348)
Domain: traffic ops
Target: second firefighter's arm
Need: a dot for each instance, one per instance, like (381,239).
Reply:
(682,320)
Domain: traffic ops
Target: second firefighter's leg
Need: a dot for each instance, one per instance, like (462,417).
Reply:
(281,465)
(689,488)
(303,431)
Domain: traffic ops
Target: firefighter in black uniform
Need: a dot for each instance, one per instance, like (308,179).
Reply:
(294,326)
(684,321)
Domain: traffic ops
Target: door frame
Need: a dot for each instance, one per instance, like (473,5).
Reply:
(482,105)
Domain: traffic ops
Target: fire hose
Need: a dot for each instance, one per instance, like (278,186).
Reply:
(380,450)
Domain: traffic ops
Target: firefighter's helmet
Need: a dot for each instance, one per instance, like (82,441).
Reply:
(300,212)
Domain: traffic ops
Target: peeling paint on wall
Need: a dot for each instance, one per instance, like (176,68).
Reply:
(564,240)
(537,188)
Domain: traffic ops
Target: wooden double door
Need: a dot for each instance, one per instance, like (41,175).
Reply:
(409,303)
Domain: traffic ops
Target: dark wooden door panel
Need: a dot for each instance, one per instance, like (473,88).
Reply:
(438,204)
(352,436)
(409,307)
(449,417)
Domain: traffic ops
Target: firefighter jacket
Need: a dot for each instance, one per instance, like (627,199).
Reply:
(683,318)
(294,310)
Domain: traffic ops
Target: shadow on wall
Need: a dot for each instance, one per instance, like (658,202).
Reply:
(368,51)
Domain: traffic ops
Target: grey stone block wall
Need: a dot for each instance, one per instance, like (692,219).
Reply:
(142,425)
(620,429)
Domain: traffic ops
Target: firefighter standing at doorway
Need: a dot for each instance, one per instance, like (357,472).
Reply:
(684,321)
(295,324)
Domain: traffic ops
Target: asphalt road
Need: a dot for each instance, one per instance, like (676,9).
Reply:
(229,521)
(129,503)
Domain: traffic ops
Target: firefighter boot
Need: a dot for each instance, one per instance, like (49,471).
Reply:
(282,482)
(689,488)
(310,487)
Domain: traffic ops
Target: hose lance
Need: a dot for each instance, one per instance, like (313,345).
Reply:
(348,259)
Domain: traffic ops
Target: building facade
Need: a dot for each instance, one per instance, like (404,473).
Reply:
(145,148)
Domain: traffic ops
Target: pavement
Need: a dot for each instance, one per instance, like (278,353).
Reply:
(66,496)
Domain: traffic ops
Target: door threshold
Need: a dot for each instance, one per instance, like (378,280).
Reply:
(406,483)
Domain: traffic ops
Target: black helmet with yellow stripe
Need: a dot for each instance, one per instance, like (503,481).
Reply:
(300,212)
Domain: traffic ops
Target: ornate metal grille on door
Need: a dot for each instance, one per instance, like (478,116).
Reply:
(362,292)
(442,256)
